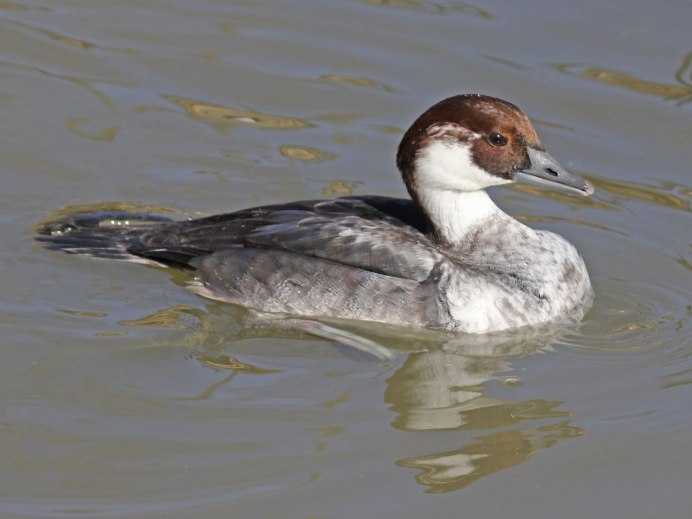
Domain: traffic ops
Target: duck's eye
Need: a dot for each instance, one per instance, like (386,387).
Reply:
(497,139)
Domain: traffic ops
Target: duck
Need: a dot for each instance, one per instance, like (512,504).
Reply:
(447,258)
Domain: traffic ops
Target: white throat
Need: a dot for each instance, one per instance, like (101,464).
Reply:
(450,188)
(457,214)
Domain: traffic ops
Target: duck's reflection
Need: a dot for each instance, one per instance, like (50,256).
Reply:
(443,391)
(440,386)
(449,471)
(434,390)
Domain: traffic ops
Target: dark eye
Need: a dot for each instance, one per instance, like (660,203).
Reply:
(497,139)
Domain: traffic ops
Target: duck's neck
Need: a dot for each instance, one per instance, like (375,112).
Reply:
(457,216)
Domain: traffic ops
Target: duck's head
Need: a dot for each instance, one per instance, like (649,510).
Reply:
(470,142)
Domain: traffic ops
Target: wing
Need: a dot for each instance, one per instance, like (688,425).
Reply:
(377,234)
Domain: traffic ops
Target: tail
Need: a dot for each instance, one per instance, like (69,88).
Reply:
(115,235)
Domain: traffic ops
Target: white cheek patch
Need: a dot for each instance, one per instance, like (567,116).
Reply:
(448,165)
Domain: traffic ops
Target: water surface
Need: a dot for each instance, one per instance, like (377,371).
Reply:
(125,395)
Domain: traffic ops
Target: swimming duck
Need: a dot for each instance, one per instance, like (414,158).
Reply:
(447,258)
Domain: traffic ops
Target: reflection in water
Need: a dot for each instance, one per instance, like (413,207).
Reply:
(450,471)
(228,362)
(440,387)
(625,191)
(681,91)
(443,390)
(340,187)
(432,389)
(179,316)
(629,191)
(233,116)
(305,153)
(152,212)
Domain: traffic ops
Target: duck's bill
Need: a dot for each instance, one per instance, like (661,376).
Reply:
(546,172)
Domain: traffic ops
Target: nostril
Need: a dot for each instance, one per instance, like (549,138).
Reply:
(552,172)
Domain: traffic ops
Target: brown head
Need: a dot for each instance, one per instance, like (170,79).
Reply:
(469,142)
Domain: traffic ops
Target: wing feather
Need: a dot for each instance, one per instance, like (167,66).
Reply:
(351,231)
